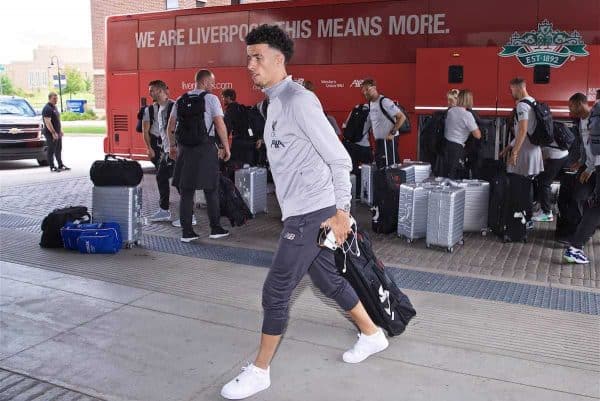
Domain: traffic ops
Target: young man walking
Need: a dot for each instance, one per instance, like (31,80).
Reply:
(382,111)
(311,171)
(193,144)
(156,127)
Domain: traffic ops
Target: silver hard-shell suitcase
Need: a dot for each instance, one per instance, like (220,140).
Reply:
(477,198)
(445,217)
(366,183)
(422,169)
(412,210)
(252,184)
(122,205)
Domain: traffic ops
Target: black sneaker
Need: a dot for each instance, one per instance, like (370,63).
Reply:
(54,170)
(189,237)
(219,232)
(63,167)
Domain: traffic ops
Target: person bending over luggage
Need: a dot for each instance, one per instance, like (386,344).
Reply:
(195,117)
(525,158)
(460,123)
(311,171)
(384,131)
(587,190)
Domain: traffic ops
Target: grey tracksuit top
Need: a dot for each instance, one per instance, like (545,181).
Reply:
(310,166)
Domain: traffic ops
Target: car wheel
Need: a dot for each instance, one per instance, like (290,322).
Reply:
(42,162)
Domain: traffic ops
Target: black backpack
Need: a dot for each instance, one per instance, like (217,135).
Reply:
(140,117)
(191,128)
(256,121)
(232,204)
(355,126)
(388,307)
(544,128)
(56,220)
(563,136)
(405,127)
(432,137)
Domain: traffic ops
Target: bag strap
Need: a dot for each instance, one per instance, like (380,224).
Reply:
(384,111)
(151,113)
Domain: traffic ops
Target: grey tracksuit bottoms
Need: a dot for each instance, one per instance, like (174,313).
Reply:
(296,254)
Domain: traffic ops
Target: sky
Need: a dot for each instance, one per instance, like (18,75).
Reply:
(29,23)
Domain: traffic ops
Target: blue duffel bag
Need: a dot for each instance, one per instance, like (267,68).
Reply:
(92,237)
(72,231)
(105,239)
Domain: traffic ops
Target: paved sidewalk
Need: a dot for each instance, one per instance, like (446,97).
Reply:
(537,261)
(117,342)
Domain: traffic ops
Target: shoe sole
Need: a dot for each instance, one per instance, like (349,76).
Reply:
(187,240)
(574,261)
(217,236)
(367,357)
(241,397)
(194,223)
(159,220)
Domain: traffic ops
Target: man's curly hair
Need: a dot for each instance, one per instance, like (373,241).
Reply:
(273,36)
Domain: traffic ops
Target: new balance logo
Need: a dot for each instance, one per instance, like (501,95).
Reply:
(384,297)
(276,143)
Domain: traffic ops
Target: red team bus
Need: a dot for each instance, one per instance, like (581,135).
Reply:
(416,50)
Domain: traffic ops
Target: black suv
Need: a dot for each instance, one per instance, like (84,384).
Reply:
(21,131)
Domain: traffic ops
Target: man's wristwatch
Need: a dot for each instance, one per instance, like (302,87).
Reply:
(346,208)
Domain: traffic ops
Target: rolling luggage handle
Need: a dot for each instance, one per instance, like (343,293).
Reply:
(386,152)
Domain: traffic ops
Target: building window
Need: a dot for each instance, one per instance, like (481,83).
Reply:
(172,4)
(37,79)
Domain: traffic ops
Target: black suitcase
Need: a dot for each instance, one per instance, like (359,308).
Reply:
(569,212)
(388,307)
(116,172)
(386,190)
(511,201)
(56,220)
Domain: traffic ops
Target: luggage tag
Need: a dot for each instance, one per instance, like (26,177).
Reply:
(250,132)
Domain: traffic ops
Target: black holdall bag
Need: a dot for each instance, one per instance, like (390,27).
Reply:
(232,204)
(354,128)
(191,129)
(56,220)
(116,172)
(386,304)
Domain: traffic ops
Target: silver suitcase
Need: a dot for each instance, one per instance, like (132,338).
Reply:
(445,217)
(252,184)
(412,210)
(122,205)
(409,170)
(422,169)
(477,198)
(366,183)
(353,185)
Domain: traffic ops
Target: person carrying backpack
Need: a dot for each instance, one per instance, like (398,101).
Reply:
(386,121)
(155,121)
(356,130)
(587,190)
(525,158)
(195,118)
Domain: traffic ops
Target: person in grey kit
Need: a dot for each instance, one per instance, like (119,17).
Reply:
(197,167)
(311,171)
(382,111)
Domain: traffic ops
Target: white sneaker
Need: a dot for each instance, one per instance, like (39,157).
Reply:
(161,215)
(366,346)
(177,223)
(251,381)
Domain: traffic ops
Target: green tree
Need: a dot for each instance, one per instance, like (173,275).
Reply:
(75,82)
(6,86)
